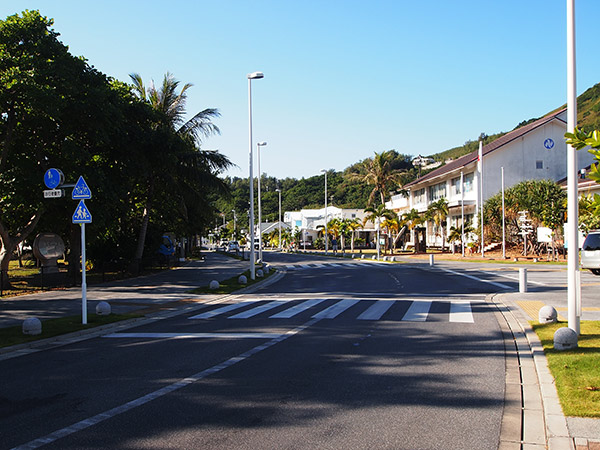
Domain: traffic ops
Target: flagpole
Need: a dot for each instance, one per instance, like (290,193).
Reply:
(481,190)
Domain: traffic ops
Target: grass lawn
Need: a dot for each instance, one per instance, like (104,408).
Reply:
(576,372)
(231,284)
(56,327)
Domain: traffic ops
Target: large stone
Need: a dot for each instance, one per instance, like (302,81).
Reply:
(565,339)
(547,314)
(103,309)
(32,326)
(214,284)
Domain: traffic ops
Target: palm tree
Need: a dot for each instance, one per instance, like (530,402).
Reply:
(195,169)
(392,225)
(376,214)
(437,212)
(380,173)
(412,219)
(353,225)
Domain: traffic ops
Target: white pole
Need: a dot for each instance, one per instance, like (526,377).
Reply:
(260,252)
(503,219)
(326,235)
(251,179)
(83,278)
(462,211)
(572,201)
(481,190)
(279,190)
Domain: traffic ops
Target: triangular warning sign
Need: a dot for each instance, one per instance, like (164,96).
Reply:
(81,191)
(82,214)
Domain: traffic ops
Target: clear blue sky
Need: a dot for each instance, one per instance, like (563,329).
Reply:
(343,79)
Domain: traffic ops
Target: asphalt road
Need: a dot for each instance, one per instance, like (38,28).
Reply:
(341,355)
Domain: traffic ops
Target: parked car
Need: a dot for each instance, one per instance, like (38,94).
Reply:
(233,246)
(590,252)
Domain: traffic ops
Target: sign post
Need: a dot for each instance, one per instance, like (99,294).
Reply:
(82,216)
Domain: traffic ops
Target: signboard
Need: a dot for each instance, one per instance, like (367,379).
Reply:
(53,178)
(81,191)
(544,234)
(549,144)
(54,193)
(82,214)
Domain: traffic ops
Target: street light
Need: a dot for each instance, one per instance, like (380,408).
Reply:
(234,220)
(279,222)
(326,236)
(251,76)
(260,255)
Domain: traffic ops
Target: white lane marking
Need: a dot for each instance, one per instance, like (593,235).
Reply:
(259,309)
(500,285)
(461,312)
(335,310)
(94,420)
(291,312)
(376,310)
(417,312)
(194,335)
(223,310)
(291,267)
(516,278)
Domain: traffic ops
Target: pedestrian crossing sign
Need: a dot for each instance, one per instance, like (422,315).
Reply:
(82,214)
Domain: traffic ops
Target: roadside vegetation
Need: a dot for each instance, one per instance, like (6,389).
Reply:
(575,371)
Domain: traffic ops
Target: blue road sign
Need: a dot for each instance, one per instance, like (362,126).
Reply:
(53,178)
(82,214)
(81,191)
(548,143)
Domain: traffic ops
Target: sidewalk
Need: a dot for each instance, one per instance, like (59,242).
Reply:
(141,294)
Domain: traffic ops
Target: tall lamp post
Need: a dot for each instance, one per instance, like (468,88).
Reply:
(251,76)
(260,255)
(326,235)
(279,222)
(234,223)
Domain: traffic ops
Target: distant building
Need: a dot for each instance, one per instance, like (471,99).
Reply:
(534,152)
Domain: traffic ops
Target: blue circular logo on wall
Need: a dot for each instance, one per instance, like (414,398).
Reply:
(548,143)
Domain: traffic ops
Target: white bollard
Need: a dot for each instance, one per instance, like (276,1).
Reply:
(522,280)
(431,260)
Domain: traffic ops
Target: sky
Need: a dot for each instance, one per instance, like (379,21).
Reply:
(342,79)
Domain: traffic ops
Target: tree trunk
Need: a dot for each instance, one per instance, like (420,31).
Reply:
(136,264)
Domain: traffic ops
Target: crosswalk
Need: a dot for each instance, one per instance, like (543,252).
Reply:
(406,310)
(348,265)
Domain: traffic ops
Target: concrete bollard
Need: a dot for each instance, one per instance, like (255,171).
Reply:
(103,309)
(242,279)
(431,260)
(522,280)
(565,339)
(362,256)
(214,284)
(260,273)
(547,314)
(32,326)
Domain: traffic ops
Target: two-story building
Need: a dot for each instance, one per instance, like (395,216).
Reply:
(534,151)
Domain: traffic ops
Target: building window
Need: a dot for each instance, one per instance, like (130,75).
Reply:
(437,191)
(468,181)
(455,186)
(420,196)
(539,164)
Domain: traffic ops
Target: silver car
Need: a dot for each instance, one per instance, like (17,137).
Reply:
(590,252)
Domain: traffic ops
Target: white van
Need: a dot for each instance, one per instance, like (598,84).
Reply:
(590,252)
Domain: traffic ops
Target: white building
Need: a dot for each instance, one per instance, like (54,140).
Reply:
(535,151)
(311,221)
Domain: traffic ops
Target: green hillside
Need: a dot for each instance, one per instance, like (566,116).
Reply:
(588,118)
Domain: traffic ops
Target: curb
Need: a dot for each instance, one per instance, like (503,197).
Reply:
(543,422)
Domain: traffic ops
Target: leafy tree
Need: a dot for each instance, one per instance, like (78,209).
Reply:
(580,139)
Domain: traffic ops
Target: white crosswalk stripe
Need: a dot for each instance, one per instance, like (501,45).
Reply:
(456,311)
